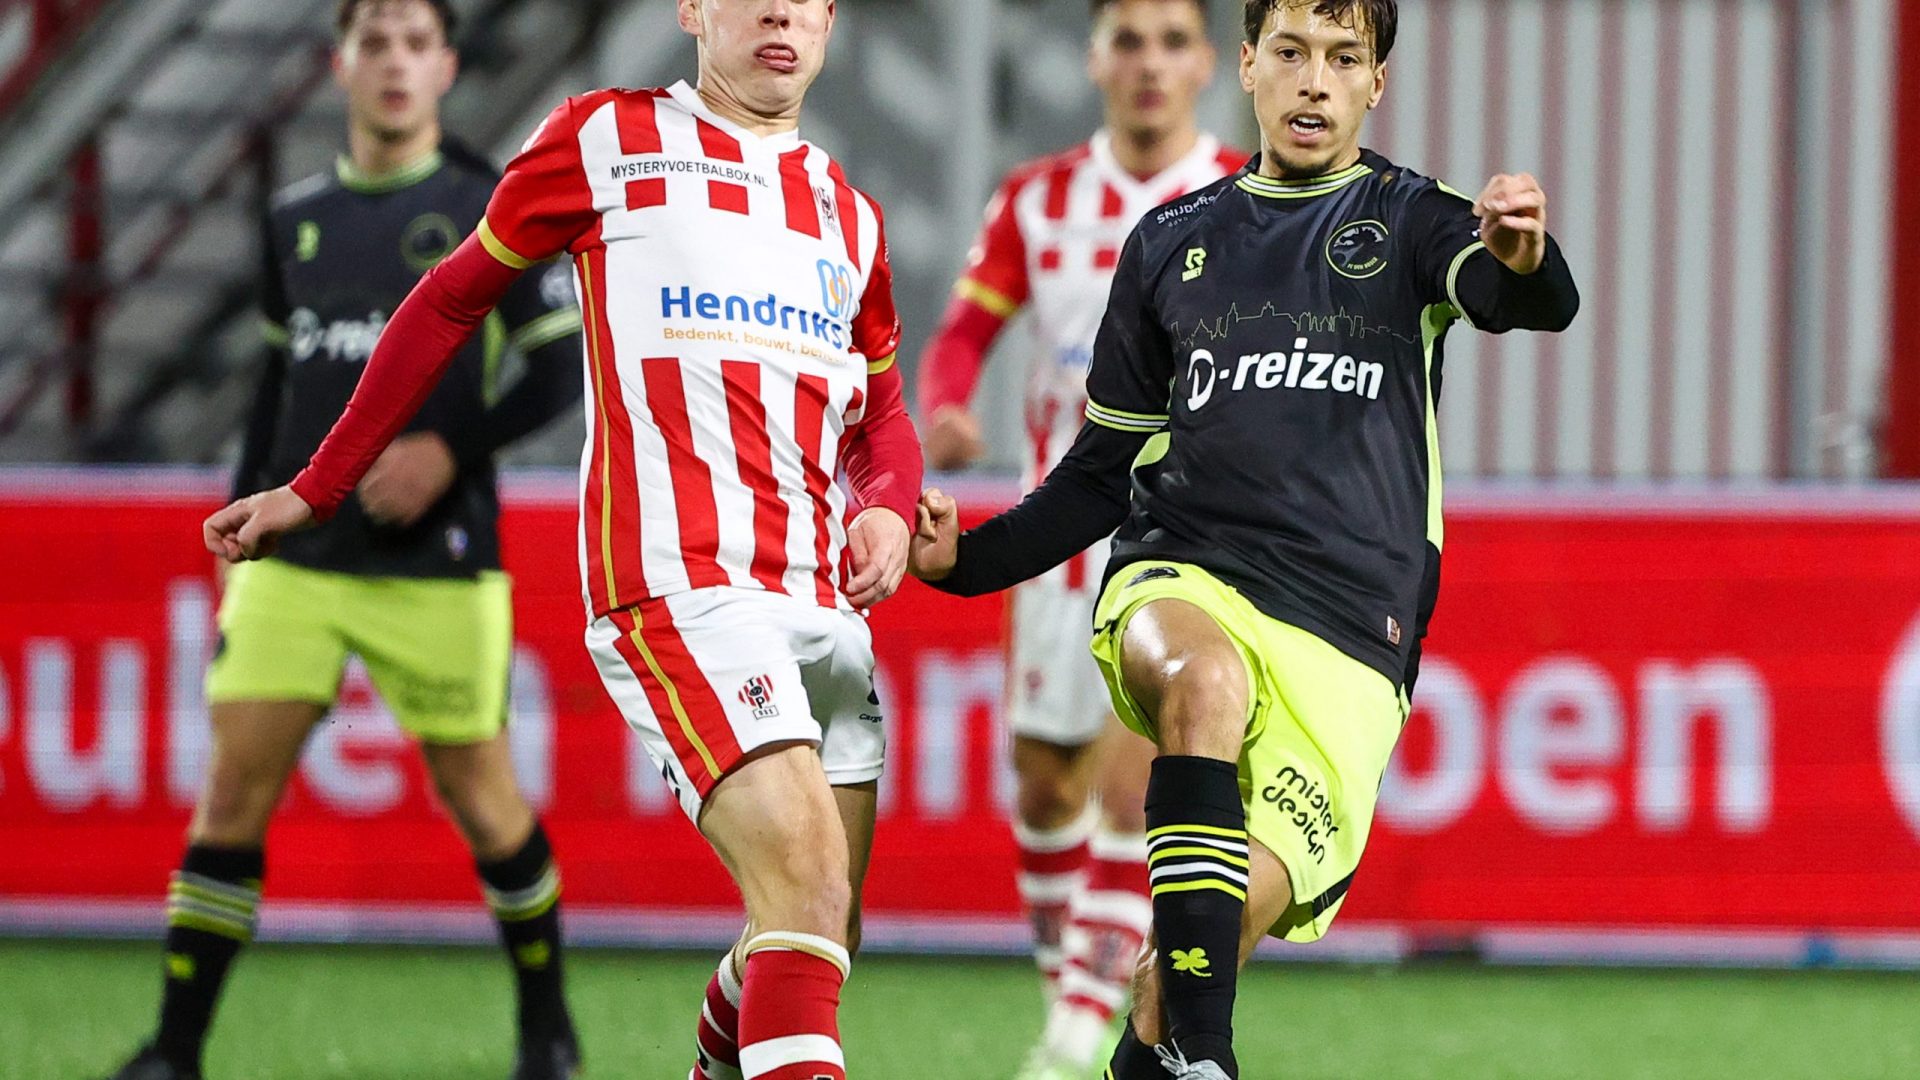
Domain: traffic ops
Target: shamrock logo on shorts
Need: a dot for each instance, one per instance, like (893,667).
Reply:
(1192,962)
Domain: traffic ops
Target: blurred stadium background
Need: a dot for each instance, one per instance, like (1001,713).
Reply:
(1671,719)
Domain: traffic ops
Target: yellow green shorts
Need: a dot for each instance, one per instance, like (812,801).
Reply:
(438,650)
(1317,744)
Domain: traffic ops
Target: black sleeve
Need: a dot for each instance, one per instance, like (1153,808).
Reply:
(1454,267)
(250,475)
(1084,498)
(1496,299)
(543,323)
(1081,502)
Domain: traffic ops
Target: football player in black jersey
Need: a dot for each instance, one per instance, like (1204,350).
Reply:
(1261,431)
(407,576)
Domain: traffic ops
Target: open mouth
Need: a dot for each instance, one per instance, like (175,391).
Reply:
(781,58)
(1308,126)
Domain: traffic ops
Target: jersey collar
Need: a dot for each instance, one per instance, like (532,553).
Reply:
(355,179)
(1206,148)
(690,100)
(1269,188)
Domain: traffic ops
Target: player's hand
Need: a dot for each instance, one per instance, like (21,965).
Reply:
(952,440)
(408,478)
(877,542)
(1513,221)
(936,540)
(252,527)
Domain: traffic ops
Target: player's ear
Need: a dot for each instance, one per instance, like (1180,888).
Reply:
(1246,66)
(449,68)
(689,14)
(337,60)
(1379,86)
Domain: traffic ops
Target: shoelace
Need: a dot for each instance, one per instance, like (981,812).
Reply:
(1176,1063)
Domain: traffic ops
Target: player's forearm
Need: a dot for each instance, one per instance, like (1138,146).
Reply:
(420,341)
(956,355)
(1497,299)
(549,387)
(1080,503)
(883,460)
(261,426)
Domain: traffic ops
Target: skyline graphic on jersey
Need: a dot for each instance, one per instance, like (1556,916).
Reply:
(1304,322)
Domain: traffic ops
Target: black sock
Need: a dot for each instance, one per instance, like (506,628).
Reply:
(523,890)
(1133,1059)
(211,906)
(1197,841)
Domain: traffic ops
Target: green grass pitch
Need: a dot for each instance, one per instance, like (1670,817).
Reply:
(69,1010)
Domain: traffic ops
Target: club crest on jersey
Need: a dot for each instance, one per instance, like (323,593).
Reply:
(829,207)
(757,695)
(836,288)
(1358,250)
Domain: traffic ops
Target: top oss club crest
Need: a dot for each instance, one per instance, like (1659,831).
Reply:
(1359,249)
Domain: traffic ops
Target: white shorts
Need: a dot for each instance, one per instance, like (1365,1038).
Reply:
(708,676)
(1054,690)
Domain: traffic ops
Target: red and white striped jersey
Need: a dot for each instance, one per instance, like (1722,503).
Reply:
(1052,238)
(737,295)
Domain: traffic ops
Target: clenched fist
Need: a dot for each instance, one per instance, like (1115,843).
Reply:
(1513,221)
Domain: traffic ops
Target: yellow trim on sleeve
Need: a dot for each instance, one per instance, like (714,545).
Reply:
(1121,420)
(1453,280)
(274,334)
(499,250)
(993,300)
(875,367)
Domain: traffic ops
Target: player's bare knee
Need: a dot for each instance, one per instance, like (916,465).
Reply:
(1203,704)
(1049,799)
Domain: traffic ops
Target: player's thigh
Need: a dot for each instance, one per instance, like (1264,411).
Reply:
(476,783)
(775,822)
(439,651)
(1176,657)
(256,747)
(280,639)
(706,679)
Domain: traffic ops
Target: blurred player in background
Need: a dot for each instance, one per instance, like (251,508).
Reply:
(1053,234)
(741,339)
(1261,430)
(407,575)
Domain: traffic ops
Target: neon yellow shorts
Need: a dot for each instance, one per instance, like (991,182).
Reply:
(438,650)
(1317,744)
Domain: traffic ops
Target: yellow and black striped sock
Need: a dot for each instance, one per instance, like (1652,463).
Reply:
(211,908)
(1197,861)
(523,890)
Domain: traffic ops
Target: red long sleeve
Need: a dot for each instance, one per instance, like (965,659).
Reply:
(883,462)
(418,344)
(951,365)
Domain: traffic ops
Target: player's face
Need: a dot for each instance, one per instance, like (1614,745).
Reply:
(762,54)
(395,65)
(1151,59)
(1313,82)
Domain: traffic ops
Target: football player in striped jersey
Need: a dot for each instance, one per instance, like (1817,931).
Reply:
(741,334)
